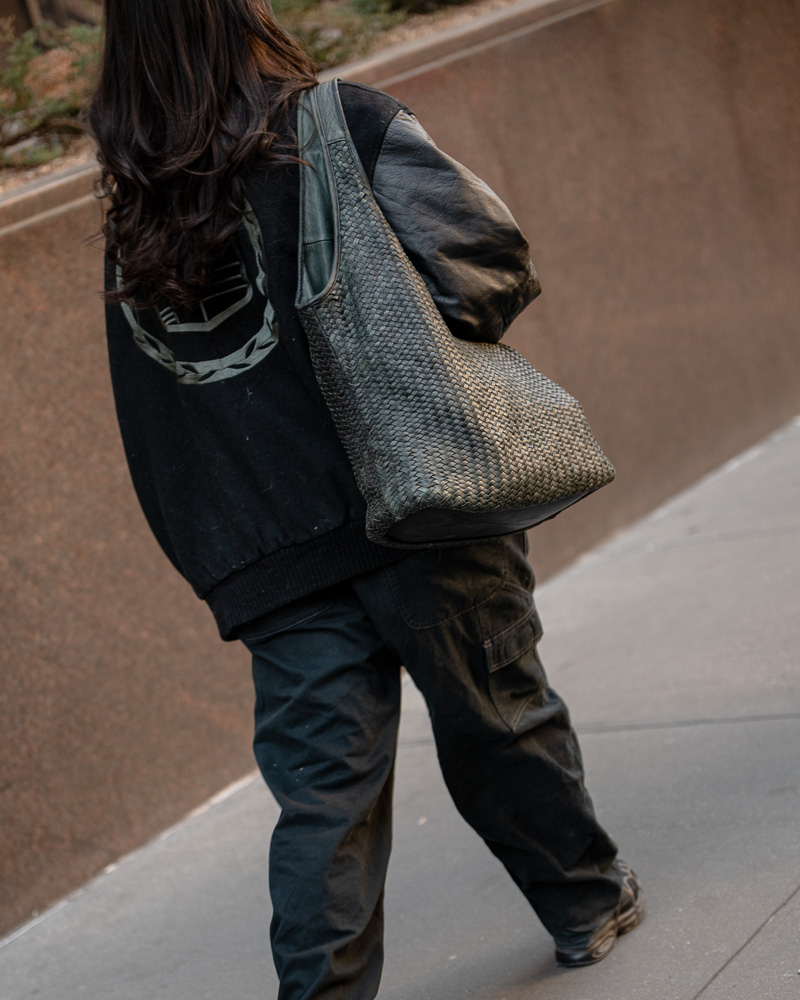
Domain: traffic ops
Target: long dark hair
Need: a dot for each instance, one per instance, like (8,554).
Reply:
(190,94)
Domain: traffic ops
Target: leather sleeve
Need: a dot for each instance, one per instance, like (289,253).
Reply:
(456,231)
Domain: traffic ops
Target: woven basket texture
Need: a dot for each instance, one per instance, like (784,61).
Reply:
(429,420)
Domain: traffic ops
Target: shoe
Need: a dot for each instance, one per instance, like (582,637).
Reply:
(627,915)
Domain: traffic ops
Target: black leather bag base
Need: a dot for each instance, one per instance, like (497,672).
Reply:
(451,526)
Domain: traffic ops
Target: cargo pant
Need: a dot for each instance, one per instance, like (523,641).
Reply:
(327,675)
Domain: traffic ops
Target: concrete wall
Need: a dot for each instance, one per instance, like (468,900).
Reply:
(650,150)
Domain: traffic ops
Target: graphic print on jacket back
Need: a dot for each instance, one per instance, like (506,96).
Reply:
(238,305)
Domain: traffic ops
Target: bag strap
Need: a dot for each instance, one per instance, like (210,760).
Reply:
(319,216)
(329,112)
(320,124)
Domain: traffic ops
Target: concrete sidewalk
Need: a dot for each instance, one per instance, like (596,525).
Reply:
(676,646)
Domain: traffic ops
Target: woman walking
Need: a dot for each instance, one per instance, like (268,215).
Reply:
(247,488)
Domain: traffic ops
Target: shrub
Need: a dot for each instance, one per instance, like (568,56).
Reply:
(44,84)
(332,31)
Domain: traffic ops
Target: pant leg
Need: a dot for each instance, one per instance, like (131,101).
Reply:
(464,623)
(327,710)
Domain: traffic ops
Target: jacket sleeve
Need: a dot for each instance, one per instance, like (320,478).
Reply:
(456,231)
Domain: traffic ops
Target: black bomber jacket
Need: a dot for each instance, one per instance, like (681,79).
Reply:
(230,445)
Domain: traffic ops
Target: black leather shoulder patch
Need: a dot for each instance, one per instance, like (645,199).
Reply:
(368,112)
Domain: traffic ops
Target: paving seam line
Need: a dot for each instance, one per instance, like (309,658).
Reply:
(594,728)
(752,937)
(610,728)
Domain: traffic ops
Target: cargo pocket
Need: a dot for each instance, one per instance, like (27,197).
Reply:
(516,676)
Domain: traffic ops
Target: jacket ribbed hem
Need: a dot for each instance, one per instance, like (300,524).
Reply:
(295,572)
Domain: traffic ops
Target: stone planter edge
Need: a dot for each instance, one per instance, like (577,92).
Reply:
(55,193)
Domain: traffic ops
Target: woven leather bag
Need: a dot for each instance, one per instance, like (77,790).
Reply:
(448,439)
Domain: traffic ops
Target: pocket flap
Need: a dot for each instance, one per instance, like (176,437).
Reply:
(511,644)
